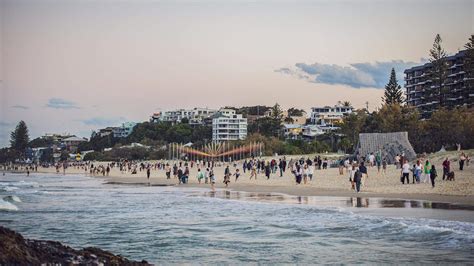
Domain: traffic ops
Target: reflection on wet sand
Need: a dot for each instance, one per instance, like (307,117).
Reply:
(355,202)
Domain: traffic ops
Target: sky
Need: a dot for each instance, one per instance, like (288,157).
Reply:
(77,66)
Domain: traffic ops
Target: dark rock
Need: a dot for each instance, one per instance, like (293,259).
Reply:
(16,250)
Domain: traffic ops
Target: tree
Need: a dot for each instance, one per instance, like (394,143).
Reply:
(347,104)
(438,71)
(469,66)
(276,112)
(393,92)
(19,138)
(295,112)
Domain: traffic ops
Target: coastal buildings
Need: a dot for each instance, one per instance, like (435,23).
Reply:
(227,125)
(195,116)
(121,131)
(328,117)
(73,142)
(424,94)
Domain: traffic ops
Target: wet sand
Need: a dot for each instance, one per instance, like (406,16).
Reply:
(325,182)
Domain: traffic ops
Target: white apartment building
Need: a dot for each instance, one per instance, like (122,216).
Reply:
(124,130)
(227,125)
(328,117)
(195,115)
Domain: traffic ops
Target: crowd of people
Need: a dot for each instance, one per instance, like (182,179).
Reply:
(303,169)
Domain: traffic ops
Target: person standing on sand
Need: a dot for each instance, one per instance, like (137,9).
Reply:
(351,175)
(433,175)
(206,176)
(212,179)
(280,165)
(384,166)
(418,171)
(180,174)
(305,174)
(462,159)
(378,161)
(446,167)
(148,172)
(311,172)
(363,169)
(426,172)
(405,173)
(267,170)
(168,171)
(358,179)
(253,172)
(200,175)
(175,170)
(298,173)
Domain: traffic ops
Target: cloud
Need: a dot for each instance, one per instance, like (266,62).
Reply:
(59,103)
(103,121)
(5,124)
(356,75)
(21,107)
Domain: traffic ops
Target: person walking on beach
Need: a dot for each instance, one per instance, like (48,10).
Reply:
(147,172)
(227,176)
(446,168)
(405,173)
(236,174)
(433,175)
(426,172)
(357,180)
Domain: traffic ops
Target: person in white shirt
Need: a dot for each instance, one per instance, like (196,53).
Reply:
(310,172)
(371,159)
(405,172)
(305,174)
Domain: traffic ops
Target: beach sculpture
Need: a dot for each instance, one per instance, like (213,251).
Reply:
(388,144)
(217,151)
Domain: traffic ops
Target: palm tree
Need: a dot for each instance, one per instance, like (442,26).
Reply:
(347,104)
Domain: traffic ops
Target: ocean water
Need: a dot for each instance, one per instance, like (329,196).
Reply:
(190,225)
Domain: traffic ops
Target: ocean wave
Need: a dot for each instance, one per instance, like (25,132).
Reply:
(7,206)
(8,188)
(12,199)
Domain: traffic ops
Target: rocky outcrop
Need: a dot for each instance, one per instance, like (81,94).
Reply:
(16,250)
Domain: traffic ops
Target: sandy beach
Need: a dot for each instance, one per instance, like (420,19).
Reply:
(325,182)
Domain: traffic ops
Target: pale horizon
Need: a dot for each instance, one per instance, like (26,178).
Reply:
(77,66)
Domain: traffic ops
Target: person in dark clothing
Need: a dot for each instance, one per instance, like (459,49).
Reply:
(357,179)
(446,168)
(267,170)
(180,175)
(363,169)
(148,173)
(433,175)
(280,165)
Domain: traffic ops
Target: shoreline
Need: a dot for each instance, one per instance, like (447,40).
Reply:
(310,192)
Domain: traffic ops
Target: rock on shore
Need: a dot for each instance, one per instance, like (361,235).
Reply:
(16,250)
